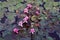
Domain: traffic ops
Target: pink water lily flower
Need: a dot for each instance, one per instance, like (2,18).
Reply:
(20,23)
(37,12)
(16,30)
(26,18)
(25,10)
(32,30)
(29,5)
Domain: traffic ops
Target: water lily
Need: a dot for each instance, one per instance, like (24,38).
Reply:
(32,30)
(29,5)
(16,30)
(25,19)
(25,10)
(20,23)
